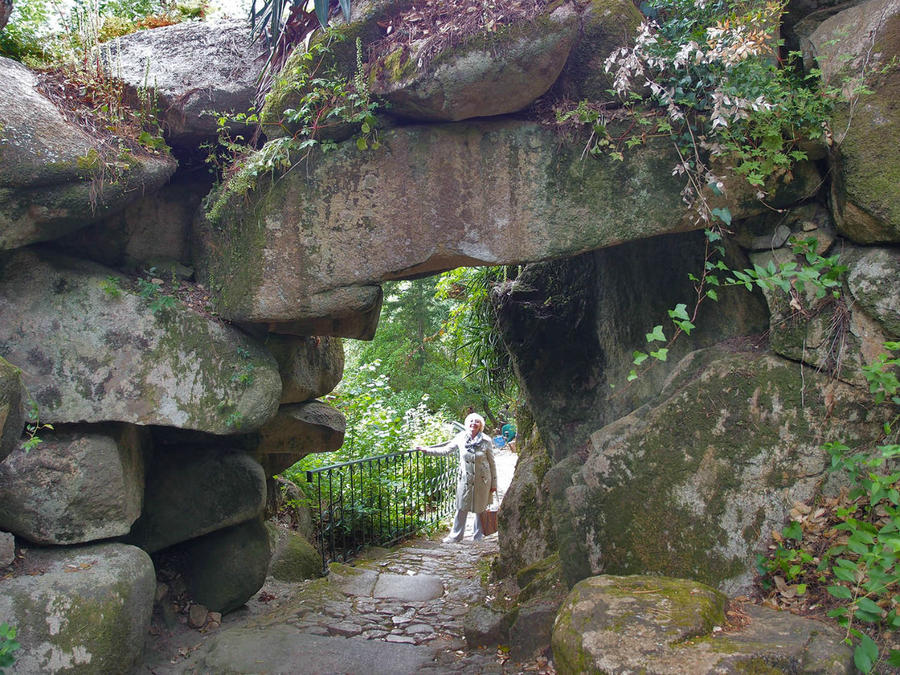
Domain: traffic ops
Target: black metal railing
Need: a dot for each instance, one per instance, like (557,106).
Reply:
(377,501)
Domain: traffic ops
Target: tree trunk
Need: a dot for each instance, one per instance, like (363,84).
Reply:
(6,7)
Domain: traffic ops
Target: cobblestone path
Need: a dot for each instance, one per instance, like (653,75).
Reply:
(398,611)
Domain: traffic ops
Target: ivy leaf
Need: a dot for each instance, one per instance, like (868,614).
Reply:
(686,326)
(631,376)
(639,358)
(656,335)
(660,354)
(712,295)
(723,214)
(680,312)
(894,658)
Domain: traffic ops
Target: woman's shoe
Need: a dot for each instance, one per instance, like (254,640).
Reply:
(451,540)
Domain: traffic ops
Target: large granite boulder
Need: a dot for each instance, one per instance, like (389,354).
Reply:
(12,407)
(489,72)
(693,483)
(671,626)
(856,48)
(80,610)
(92,355)
(225,568)
(431,198)
(54,177)
(194,70)
(191,492)
(298,430)
(310,366)
(76,486)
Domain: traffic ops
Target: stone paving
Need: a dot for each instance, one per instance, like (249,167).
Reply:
(392,611)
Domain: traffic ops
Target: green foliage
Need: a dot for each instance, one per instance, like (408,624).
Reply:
(860,571)
(150,289)
(30,436)
(708,76)
(472,327)
(326,100)
(8,646)
(112,286)
(23,38)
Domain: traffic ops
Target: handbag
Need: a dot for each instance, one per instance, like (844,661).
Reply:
(488,519)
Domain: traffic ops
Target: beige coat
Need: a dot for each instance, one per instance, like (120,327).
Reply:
(477,475)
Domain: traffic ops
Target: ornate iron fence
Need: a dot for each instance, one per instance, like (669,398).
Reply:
(377,501)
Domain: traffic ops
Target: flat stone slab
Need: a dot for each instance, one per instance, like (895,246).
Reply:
(353,581)
(284,649)
(411,588)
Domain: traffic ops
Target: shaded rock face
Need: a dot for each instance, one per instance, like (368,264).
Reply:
(12,407)
(298,430)
(89,356)
(85,609)
(54,178)
(74,487)
(166,60)
(526,505)
(837,335)
(692,483)
(578,301)
(862,39)
(225,568)
(155,231)
(612,624)
(177,484)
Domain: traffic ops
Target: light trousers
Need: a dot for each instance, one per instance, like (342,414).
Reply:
(459,527)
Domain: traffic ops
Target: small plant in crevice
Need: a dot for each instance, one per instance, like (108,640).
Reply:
(112,287)
(150,289)
(327,100)
(243,374)
(30,436)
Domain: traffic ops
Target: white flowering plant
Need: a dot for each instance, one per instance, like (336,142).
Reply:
(711,76)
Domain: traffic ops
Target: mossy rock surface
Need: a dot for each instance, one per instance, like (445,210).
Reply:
(55,178)
(76,486)
(83,610)
(692,486)
(605,26)
(93,350)
(856,48)
(614,624)
(294,558)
